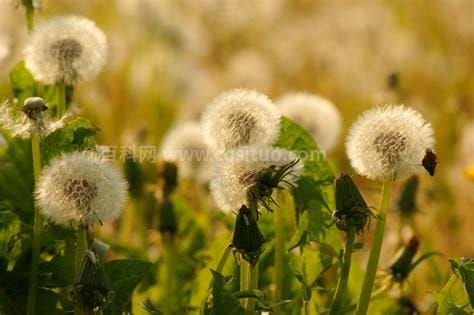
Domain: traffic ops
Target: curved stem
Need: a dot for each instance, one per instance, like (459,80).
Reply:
(37,229)
(60,99)
(341,289)
(369,278)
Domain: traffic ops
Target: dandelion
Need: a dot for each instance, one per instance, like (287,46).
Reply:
(240,117)
(65,50)
(317,115)
(33,122)
(79,189)
(185,146)
(389,142)
(249,174)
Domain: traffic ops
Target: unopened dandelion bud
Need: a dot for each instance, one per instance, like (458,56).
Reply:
(170,177)
(402,266)
(352,211)
(407,202)
(167,222)
(134,176)
(91,289)
(247,240)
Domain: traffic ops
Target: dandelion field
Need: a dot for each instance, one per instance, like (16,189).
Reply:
(236,157)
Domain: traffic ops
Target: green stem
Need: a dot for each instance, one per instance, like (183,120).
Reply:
(169,265)
(37,228)
(223,259)
(341,289)
(29,12)
(244,279)
(369,278)
(141,222)
(60,99)
(279,255)
(81,247)
(253,285)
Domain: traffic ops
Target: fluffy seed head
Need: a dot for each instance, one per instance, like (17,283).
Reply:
(24,125)
(80,189)
(65,50)
(317,115)
(389,142)
(237,171)
(185,146)
(240,117)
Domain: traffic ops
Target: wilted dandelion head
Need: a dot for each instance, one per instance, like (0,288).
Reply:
(240,170)
(185,146)
(80,189)
(316,115)
(24,125)
(65,50)
(240,117)
(389,142)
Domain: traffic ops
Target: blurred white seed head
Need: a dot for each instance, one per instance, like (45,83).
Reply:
(240,117)
(317,115)
(185,146)
(80,189)
(5,47)
(389,142)
(236,172)
(24,126)
(66,49)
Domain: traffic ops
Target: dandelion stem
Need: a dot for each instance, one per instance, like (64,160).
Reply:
(279,255)
(341,289)
(81,247)
(29,13)
(253,285)
(244,279)
(169,265)
(61,99)
(369,278)
(38,225)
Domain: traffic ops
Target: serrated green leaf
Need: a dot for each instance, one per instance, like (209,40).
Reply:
(223,302)
(78,134)
(9,226)
(452,298)
(124,275)
(310,265)
(465,266)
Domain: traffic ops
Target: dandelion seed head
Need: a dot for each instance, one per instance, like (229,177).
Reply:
(80,188)
(240,117)
(21,126)
(317,115)
(185,146)
(66,49)
(236,172)
(389,142)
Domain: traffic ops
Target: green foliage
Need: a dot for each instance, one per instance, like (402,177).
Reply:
(309,266)
(452,298)
(76,135)
(223,302)
(313,196)
(124,275)
(465,267)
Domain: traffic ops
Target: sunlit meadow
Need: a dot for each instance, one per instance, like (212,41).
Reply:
(236,157)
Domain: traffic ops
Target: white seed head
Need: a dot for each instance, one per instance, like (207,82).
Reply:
(317,115)
(22,126)
(240,117)
(80,188)
(389,142)
(66,49)
(236,172)
(185,146)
